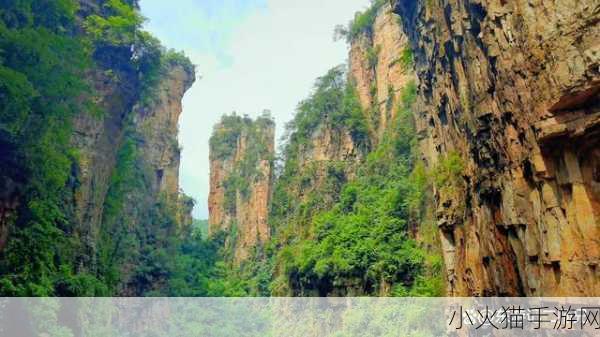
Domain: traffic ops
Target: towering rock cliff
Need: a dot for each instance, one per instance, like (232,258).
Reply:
(144,202)
(381,65)
(158,126)
(325,143)
(241,172)
(511,88)
(98,189)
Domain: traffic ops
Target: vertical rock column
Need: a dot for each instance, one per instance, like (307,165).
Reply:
(241,173)
(379,70)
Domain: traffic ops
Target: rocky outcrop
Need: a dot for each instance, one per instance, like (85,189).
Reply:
(329,151)
(159,153)
(154,127)
(111,189)
(97,138)
(151,123)
(511,87)
(241,172)
(380,67)
(154,210)
(159,124)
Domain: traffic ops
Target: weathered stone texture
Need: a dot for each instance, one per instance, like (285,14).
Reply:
(159,123)
(377,70)
(512,87)
(99,138)
(245,217)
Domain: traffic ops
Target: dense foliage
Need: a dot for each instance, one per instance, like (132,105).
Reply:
(339,228)
(336,233)
(333,104)
(362,244)
(47,51)
(42,65)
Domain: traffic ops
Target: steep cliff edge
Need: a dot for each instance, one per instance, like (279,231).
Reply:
(158,126)
(90,157)
(144,202)
(511,88)
(380,66)
(241,172)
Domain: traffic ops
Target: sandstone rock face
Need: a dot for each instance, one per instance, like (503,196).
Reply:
(330,153)
(328,143)
(512,88)
(379,71)
(99,138)
(159,124)
(241,173)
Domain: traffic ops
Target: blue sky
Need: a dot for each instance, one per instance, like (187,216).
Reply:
(251,55)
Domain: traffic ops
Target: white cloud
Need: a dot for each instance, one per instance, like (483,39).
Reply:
(274,55)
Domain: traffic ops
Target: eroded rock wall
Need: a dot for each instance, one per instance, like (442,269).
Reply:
(154,209)
(511,87)
(241,172)
(379,70)
(330,150)
(135,90)
(159,125)
(151,123)
(97,138)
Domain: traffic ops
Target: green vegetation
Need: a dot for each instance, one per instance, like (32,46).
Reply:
(45,57)
(201,226)
(41,83)
(118,27)
(340,227)
(373,56)
(362,244)
(224,142)
(334,103)
(406,58)
(347,236)
(447,173)
(362,23)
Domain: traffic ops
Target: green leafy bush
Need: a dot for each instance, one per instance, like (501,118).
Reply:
(41,88)
(118,27)
(353,237)
(362,23)
(406,58)
(373,56)
(334,103)
(223,141)
(447,173)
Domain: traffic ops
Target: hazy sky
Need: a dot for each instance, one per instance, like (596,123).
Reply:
(251,55)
